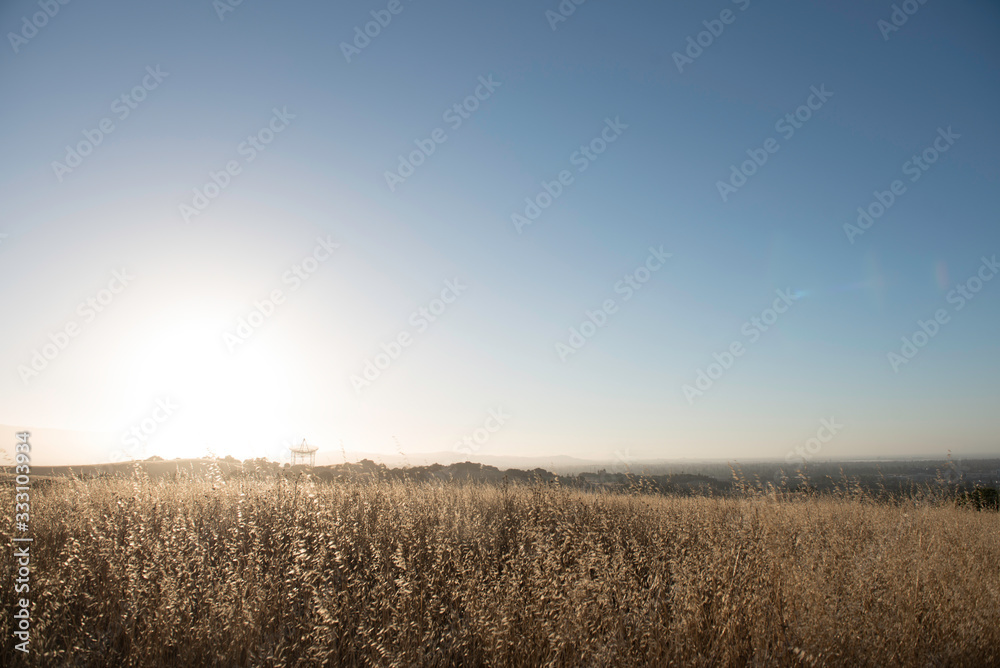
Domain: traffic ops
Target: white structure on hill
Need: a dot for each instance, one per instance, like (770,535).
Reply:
(303,453)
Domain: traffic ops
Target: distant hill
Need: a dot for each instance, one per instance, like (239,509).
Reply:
(51,447)
(557,463)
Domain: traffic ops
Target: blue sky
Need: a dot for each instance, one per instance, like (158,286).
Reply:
(345,124)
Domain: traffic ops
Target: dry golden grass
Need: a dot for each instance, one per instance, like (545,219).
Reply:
(268,572)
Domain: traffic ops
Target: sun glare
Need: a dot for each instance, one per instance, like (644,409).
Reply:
(235,404)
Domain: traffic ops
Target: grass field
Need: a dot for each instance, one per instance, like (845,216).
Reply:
(273,572)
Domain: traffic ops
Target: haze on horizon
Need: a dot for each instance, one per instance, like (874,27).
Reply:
(608,241)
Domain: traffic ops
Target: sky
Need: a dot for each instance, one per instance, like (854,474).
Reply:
(612,231)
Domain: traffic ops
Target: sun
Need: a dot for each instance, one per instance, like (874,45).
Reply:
(237,404)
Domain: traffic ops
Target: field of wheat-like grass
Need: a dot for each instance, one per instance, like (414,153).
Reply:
(272,572)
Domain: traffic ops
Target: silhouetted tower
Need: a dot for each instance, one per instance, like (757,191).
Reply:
(303,453)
